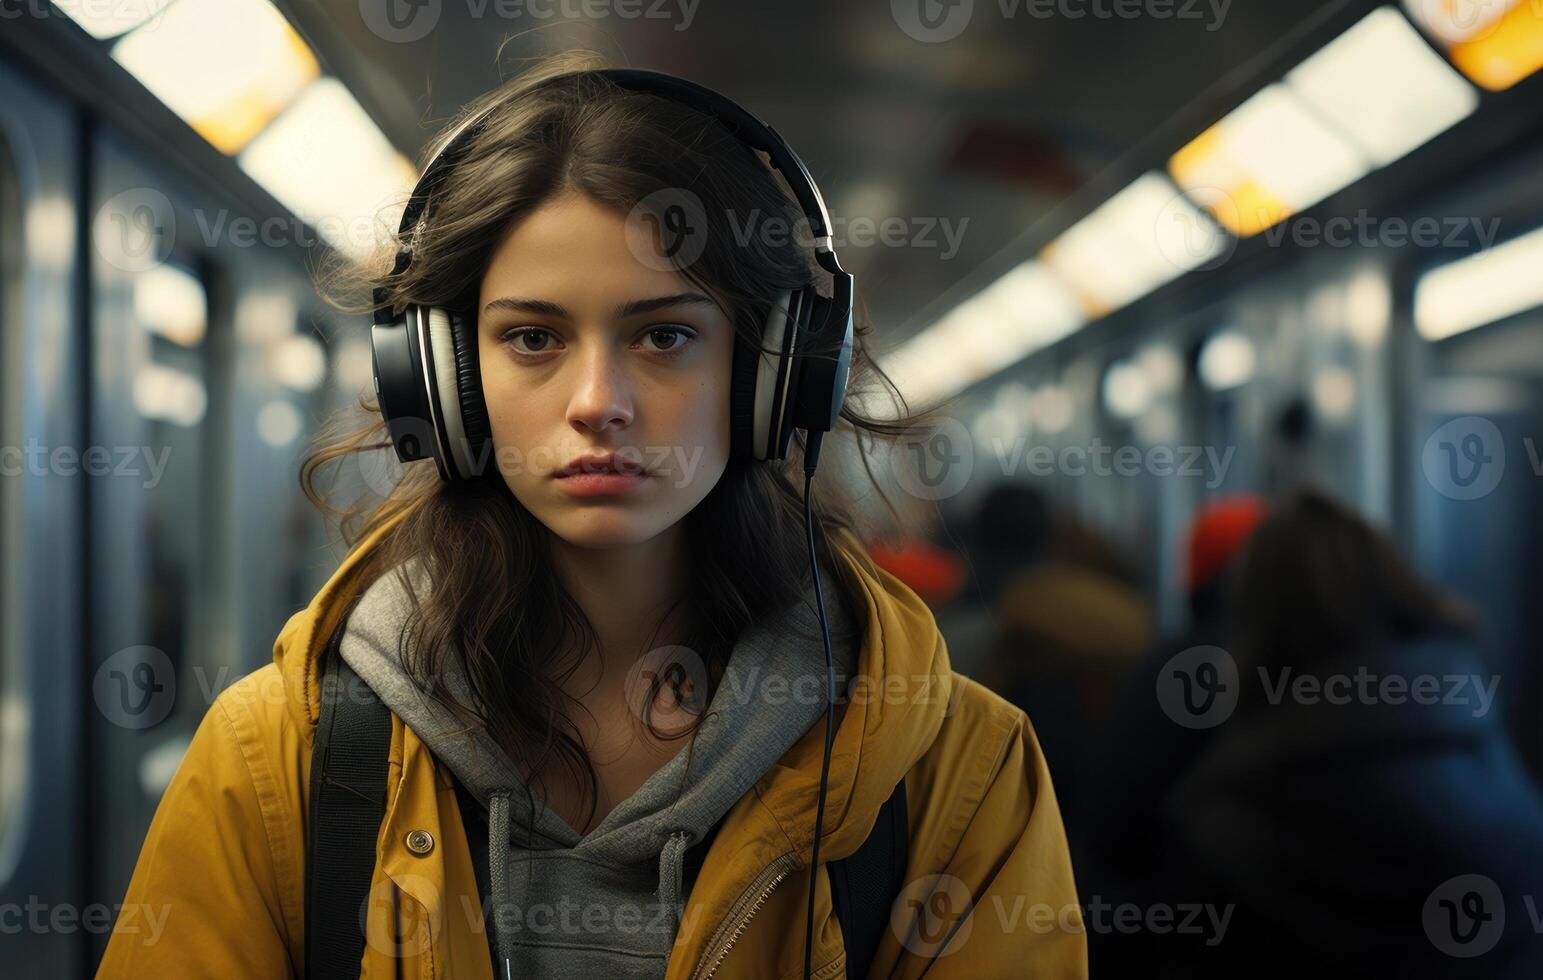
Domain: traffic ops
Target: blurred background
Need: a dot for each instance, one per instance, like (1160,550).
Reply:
(1231,312)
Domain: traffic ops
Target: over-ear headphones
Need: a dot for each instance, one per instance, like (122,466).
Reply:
(429,384)
(428,381)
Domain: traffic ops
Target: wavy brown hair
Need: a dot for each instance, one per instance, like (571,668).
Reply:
(493,598)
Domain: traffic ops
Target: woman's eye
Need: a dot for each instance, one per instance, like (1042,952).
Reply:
(537,340)
(670,340)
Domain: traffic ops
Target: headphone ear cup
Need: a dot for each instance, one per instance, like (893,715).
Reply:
(742,444)
(399,388)
(770,432)
(475,425)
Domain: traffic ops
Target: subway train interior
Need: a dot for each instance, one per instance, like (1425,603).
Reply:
(1179,285)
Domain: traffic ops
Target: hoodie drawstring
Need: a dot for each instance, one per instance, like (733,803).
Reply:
(498,872)
(671,871)
(672,858)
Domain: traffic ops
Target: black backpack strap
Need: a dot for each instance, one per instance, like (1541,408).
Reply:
(349,766)
(864,885)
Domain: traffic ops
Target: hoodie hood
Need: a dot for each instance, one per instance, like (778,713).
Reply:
(772,692)
(901,689)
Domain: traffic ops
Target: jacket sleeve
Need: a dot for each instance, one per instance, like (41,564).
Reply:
(204,900)
(991,893)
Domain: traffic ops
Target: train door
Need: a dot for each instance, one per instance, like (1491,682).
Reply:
(153,543)
(1477,446)
(42,675)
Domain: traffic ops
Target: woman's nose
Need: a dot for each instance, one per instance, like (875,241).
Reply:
(602,395)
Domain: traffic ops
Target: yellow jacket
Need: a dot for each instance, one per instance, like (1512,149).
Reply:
(990,890)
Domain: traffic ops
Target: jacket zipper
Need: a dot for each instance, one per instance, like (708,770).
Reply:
(767,880)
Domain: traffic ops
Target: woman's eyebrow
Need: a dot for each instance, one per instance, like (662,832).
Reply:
(636,307)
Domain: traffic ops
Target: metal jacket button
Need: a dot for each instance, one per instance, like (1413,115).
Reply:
(420,841)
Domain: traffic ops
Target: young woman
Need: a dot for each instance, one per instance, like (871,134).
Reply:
(604,652)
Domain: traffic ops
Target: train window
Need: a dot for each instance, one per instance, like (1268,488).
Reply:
(172,307)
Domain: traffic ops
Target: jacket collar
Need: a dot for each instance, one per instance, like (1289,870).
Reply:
(898,700)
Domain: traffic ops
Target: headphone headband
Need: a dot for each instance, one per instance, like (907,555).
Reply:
(427,377)
(745,126)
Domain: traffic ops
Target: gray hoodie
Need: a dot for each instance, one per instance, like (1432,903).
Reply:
(608,904)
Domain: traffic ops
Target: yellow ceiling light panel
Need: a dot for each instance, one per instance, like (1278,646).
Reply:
(1506,54)
(227,67)
(233,125)
(1268,159)
(1215,180)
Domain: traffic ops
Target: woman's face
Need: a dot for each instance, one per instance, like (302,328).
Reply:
(587,351)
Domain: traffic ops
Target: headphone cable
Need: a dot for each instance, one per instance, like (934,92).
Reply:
(811,459)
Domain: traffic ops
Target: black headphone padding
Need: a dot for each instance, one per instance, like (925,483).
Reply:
(468,386)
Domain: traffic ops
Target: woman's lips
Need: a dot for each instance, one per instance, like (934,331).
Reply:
(601,483)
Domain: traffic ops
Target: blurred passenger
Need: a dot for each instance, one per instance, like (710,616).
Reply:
(1005,533)
(1061,624)
(1142,750)
(1361,811)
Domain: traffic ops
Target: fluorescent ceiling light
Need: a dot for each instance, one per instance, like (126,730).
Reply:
(278,423)
(1270,158)
(1163,367)
(103,19)
(1127,391)
(325,160)
(1333,393)
(298,362)
(1023,311)
(1383,87)
(165,393)
(1141,238)
(172,303)
(1480,289)
(1052,409)
(227,67)
(1227,360)
(1289,150)
(1368,307)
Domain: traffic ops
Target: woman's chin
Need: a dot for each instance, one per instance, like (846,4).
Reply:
(605,527)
